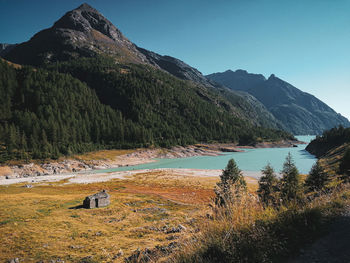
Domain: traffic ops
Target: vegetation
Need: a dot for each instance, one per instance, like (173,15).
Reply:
(333,149)
(317,178)
(269,186)
(258,230)
(291,188)
(231,185)
(328,140)
(45,222)
(46,114)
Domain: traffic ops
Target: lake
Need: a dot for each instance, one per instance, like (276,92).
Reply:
(250,160)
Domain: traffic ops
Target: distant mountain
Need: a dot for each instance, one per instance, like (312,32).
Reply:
(298,111)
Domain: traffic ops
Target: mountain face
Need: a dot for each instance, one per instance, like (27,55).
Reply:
(82,32)
(243,105)
(131,97)
(299,112)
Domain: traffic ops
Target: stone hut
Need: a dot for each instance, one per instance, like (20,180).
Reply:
(100,199)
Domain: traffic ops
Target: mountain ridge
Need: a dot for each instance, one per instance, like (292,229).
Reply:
(300,112)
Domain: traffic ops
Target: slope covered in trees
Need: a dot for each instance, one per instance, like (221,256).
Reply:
(45,114)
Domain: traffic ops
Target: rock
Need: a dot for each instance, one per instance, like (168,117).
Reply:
(28,186)
(13,260)
(177,229)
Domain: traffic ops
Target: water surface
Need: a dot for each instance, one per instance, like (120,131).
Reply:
(250,160)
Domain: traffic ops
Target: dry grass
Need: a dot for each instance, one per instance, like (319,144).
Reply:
(40,223)
(103,155)
(5,170)
(246,232)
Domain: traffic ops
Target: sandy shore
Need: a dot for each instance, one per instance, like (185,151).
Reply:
(87,178)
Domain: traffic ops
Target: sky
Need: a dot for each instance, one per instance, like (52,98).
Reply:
(304,42)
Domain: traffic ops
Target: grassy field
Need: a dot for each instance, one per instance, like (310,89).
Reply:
(45,222)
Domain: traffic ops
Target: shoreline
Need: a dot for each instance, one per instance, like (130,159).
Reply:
(88,178)
(75,165)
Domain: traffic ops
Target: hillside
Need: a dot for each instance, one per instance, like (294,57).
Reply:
(333,148)
(299,112)
(48,114)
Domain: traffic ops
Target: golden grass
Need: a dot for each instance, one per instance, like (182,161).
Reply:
(245,231)
(103,154)
(5,170)
(40,223)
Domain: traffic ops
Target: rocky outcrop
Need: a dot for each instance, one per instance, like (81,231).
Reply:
(80,32)
(299,112)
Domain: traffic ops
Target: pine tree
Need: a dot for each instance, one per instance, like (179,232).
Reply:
(291,182)
(231,185)
(269,186)
(317,178)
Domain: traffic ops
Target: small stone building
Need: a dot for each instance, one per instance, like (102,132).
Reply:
(100,199)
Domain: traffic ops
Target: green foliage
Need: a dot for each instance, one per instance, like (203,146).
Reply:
(317,178)
(231,185)
(94,104)
(291,188)
(329,140)
(269,187)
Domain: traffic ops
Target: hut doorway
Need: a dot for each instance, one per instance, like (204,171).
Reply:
(96,202)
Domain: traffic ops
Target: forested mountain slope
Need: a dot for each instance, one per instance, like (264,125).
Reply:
(46,114)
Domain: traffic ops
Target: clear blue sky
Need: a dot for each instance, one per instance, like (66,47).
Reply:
(305,42)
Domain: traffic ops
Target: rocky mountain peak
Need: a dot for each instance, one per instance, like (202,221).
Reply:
(85,6)
(85,18)
(83,31)
(272,76)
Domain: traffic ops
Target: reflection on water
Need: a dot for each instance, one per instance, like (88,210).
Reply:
(250,160)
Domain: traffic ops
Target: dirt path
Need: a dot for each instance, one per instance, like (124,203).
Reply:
(332,248)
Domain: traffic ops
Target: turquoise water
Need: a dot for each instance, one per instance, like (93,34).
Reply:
(250,160)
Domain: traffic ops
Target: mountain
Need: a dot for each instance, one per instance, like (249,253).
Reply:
(242,104)
(92,88)
(82,32)
(298,111)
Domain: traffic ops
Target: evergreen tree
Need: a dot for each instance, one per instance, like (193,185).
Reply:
(269,186)
(291,189)
(231,185)
(317,178)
